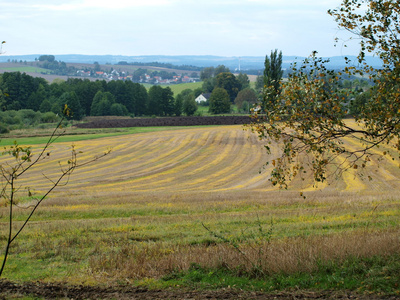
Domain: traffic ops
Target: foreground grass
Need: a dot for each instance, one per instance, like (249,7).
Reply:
(278,245)
(377,274)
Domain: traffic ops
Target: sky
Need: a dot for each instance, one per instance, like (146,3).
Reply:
(171,27)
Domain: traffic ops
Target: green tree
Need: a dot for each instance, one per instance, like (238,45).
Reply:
(101,105)
(154,102)
(122,94)
(189,105)
(272,78)
(45,106)
(182,99)
(10,84)
(71,100)
(49,58)
(3,100)
(49,117)
(208,76)
(26,88)
(167,102)
(221,69)
(259,83)
(308,118)
(197,92)
(86,90)
(248,97)
(229,82)
(219,101)
(29,117)
(57,88)
(36,98)
(273,70)
(358,103)
(243,80)
(138,75)
(24,91)
(117,109)
(207,73)
(96,67)
(139,99)
(186,92)
(178,105)
(209,84)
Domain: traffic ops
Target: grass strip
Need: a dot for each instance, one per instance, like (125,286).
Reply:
(74,135)
(372,275)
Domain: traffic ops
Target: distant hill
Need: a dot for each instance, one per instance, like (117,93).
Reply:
(246,62)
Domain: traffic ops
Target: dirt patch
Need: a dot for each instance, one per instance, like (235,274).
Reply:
(168,121)
(63,291)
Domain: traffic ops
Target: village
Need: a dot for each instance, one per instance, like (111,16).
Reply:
(151,78)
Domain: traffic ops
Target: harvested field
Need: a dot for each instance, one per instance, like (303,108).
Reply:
(137,215)
(223,158)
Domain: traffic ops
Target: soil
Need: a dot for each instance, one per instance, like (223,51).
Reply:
(167,121)
(63,291)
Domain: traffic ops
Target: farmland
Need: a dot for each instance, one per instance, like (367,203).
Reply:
(163,203)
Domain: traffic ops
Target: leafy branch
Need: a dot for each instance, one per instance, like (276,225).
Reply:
(24,161)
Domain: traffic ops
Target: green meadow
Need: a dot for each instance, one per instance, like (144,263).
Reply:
(178,88)
(27,69)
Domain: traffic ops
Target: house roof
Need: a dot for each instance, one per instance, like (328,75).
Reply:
(203,96)
(206,95)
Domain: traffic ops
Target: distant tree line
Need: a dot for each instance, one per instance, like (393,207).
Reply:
(57,67)
(123,98)
(85,98)
(19,91)
(162,65)
(60,68)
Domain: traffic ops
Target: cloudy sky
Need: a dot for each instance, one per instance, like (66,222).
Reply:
(170,27)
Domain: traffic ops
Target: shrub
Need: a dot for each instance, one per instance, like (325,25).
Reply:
(49,117)
(10,117)
(118,109)
(3,129)
(29,117)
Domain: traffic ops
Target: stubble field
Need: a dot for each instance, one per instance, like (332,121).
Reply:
(166,202)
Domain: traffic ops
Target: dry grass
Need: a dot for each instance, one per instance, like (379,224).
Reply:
(288,256)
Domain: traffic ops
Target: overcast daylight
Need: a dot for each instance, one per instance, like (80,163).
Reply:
(199,149)
(170,27)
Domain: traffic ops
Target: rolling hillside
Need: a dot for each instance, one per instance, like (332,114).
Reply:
(207,159)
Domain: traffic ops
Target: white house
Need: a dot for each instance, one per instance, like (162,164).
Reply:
(203,97)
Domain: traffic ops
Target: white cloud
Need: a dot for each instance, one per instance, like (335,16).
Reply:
(140,27)
(63,5)
(120,4)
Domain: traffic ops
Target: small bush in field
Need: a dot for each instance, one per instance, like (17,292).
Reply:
(3,128)
(49,117)
(29,116)
(10,117)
